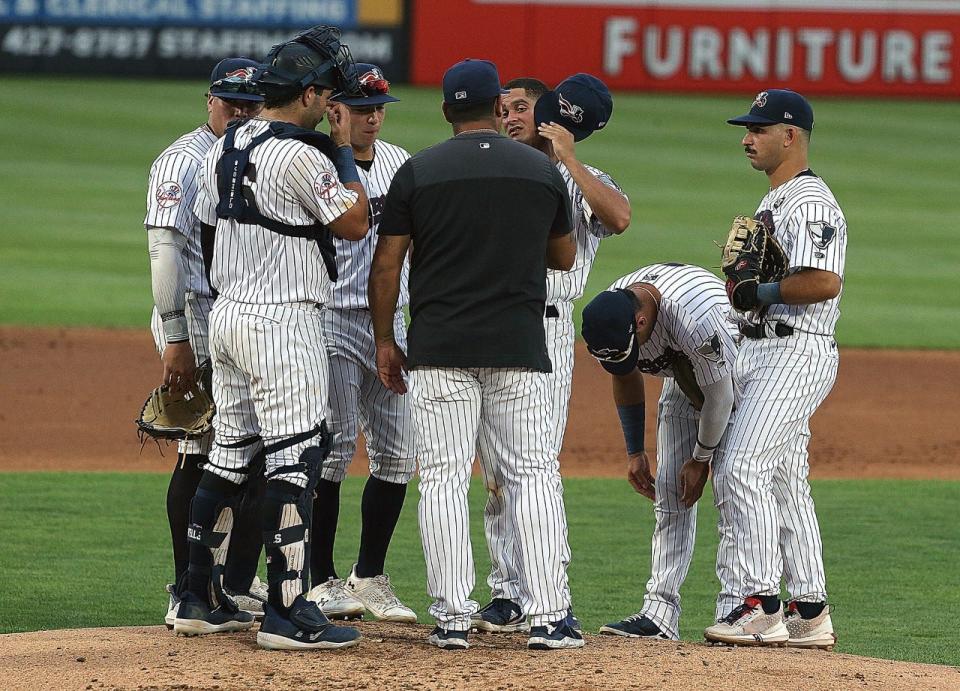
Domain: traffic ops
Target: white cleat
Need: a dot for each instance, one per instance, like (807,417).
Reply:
(334,600)
(816,632)
(378,597)
(253,600)
(748,624)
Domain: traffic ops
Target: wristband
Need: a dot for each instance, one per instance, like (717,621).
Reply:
(703,453)
(632,421)
(174,326)
(345,165)
(769,294)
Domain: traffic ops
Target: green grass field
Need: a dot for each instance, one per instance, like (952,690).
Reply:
(108,568)
(76,155)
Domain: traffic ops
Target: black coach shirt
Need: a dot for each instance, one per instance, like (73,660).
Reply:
(478,208)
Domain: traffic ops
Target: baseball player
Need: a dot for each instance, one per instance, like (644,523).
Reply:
(275,190)
(477,352)
(786,366)
(182,299)
(552,121)
(669,321)
(358,400)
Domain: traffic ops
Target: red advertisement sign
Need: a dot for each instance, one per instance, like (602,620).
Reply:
(873,47)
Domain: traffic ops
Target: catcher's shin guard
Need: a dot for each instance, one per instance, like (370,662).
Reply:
(211,522)
(287,517)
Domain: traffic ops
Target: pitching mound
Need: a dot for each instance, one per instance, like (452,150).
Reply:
(397,656)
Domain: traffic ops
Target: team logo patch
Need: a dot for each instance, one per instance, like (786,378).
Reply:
(460,95)
(325,185)
(821,232)
(570,110)
(712,349)
(244,73)
(169,194)
(606,353)
(761,100)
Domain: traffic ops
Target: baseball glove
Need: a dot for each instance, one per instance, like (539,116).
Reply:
(184,415)
(751,256)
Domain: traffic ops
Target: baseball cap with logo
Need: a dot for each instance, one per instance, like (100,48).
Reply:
(775,106)
(581,103)
(232,79)
(609,327)
(374,88)
(471,81)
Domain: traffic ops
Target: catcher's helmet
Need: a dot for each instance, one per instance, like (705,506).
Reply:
(312,57)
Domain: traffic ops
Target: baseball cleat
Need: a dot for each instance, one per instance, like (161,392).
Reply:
(556,636)
(335,601)
(172,605)
(305,628)
(748,624)
(253,600)
(816,632)
(634,626)
(448,640)
(195,617)
(572,621)
(500,616)
(376,594)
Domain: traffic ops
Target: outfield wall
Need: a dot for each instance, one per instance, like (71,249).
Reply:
(869,47)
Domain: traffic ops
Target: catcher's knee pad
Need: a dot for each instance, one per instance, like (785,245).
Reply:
(211,522)
(306,471)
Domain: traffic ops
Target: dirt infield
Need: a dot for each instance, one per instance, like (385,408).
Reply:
(69,400)
(396,656)
(70,396)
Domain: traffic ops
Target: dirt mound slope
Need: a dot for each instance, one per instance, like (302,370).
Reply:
(397,656)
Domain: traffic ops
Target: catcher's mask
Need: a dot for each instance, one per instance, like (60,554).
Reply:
(610,330)
(314,57)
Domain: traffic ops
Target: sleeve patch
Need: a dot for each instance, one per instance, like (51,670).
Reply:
(325,185)
(712,349)
(821,233)
(169,194)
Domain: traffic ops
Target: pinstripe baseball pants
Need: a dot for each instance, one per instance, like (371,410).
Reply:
(769,525)
(453,408)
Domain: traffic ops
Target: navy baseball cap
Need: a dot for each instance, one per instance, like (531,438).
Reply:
(610,329)
(374,88)
(581,103)
(775,106)
(471,81)
(233,79)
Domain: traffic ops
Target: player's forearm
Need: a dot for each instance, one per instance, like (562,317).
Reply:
(714,416)
(608,205)
(355,223)
(383,292)
(805,287)
(628,394)
(168,281)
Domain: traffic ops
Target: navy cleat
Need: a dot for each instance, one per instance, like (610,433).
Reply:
(448,639)
(572,621)
(306,628)
(500,616)
(634,626)
(195,617)
(556,636)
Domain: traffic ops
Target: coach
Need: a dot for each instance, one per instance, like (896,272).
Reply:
(487,216)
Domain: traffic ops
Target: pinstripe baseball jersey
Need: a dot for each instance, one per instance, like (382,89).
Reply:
(692,320)
(811,228)
(566,286)
(252,264)
(171,192)
(354,258)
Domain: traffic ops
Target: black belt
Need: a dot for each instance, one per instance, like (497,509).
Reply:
(552,312)
(758,331)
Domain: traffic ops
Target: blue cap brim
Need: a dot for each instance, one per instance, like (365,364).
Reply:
(749,119)
(233,96)
(360,101)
